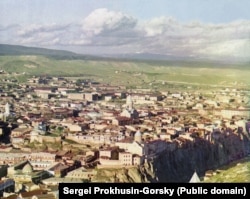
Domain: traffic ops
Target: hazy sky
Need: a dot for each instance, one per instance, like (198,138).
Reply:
(195,28)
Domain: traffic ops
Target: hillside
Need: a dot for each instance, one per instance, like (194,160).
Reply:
(15,50)
(235,172)
(22,50)
(140,73)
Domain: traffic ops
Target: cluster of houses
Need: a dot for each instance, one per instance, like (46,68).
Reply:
(120,127)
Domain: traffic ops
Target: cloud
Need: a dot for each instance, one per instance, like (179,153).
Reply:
(42,38)
(50,34)
(32,29)
(106,31)
(100,28)
(168,36)
(235,48)
(109,28)
(160,25)
(103,21)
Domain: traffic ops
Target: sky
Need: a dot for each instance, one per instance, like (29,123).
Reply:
(214,29)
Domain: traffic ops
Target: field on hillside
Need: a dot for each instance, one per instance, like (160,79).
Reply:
(235,172)
(129,73)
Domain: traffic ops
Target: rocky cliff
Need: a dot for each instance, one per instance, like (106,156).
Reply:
(179,165)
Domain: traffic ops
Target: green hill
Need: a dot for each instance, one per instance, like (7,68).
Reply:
(235,172)
(141,73)
(16,50)
(22,50)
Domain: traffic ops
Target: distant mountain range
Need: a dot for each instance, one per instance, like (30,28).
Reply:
(6,49)
(17,50)
(174,58)
(149,56)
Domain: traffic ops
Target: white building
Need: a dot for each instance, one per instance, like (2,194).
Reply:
(7,110)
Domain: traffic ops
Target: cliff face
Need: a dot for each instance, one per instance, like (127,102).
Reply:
(179,165)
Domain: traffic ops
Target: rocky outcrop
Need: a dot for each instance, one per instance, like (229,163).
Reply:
(179,165)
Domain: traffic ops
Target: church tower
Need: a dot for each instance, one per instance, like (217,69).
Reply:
(138,136)
(129,102)
(129,110)
(7,109)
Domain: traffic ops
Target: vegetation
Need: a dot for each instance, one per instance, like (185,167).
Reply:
(22,62)
(235,172)
(132,74)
